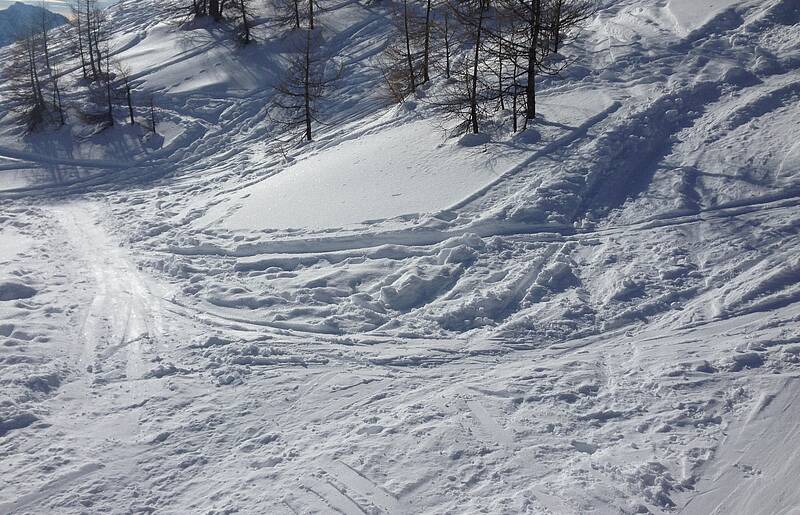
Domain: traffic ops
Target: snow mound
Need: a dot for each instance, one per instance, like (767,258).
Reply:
(401,170)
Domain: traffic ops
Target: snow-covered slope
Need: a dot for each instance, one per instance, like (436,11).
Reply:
(598,315)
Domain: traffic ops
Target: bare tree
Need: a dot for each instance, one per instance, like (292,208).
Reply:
(526,38)
(464,96)
(153,115)
(295,104)
(77,35)
(287,13)
(565,15)
(101,32)
(24,75)
(123,74)
(402,61)
(87,13)
(444,30)
(44,29)
(108,86)
(215,9)
(243,13)
(473,97)
(426,52)
(58,105)
(92,31)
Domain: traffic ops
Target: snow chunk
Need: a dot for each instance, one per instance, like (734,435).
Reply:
(739,362)
(14,290)
(15,421)
(418,285)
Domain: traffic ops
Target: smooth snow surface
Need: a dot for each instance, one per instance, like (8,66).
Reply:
(693,14)
(401,170)
(600,314)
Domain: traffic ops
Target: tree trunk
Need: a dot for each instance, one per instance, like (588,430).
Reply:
(38,84)
(311,14)
(446,46)
(36,87)
(59,105)
(306,86)
(530,88)
(89,39)
(296,14)
(214,9)
(80,48)
(557,25)
(45,41)
(152,116)
(97,44)
(473,97)
(411,78)
(426,52)
(108,90)
(130,100)
(500,64)
(245,24)
(514,100)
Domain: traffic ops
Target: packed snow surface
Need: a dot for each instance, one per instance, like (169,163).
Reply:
(599,314)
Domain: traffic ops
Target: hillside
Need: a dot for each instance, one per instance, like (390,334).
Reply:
(17,16)
(598,314)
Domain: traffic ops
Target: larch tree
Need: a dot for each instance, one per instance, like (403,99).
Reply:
(287,13)
(295,105)
(565,16)
(464,96)
(25,75)
(445,31)
(403,61)
(124,76)
(426,48)
(244,15)
(523,36)
(108,87)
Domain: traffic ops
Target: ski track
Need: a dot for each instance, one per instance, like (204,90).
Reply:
(120,335)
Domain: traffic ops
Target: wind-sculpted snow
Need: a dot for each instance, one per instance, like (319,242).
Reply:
(600,314)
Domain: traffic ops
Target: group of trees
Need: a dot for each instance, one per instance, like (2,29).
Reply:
(490,52)
(37,67)
(485,54)
(34,75)
(309,72)
(219,9)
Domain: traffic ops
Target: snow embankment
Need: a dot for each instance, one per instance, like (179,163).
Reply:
(405,170)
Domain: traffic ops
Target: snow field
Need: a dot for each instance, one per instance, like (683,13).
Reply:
(598,315)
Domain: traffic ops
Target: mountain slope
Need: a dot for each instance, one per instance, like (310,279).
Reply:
(16,18)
